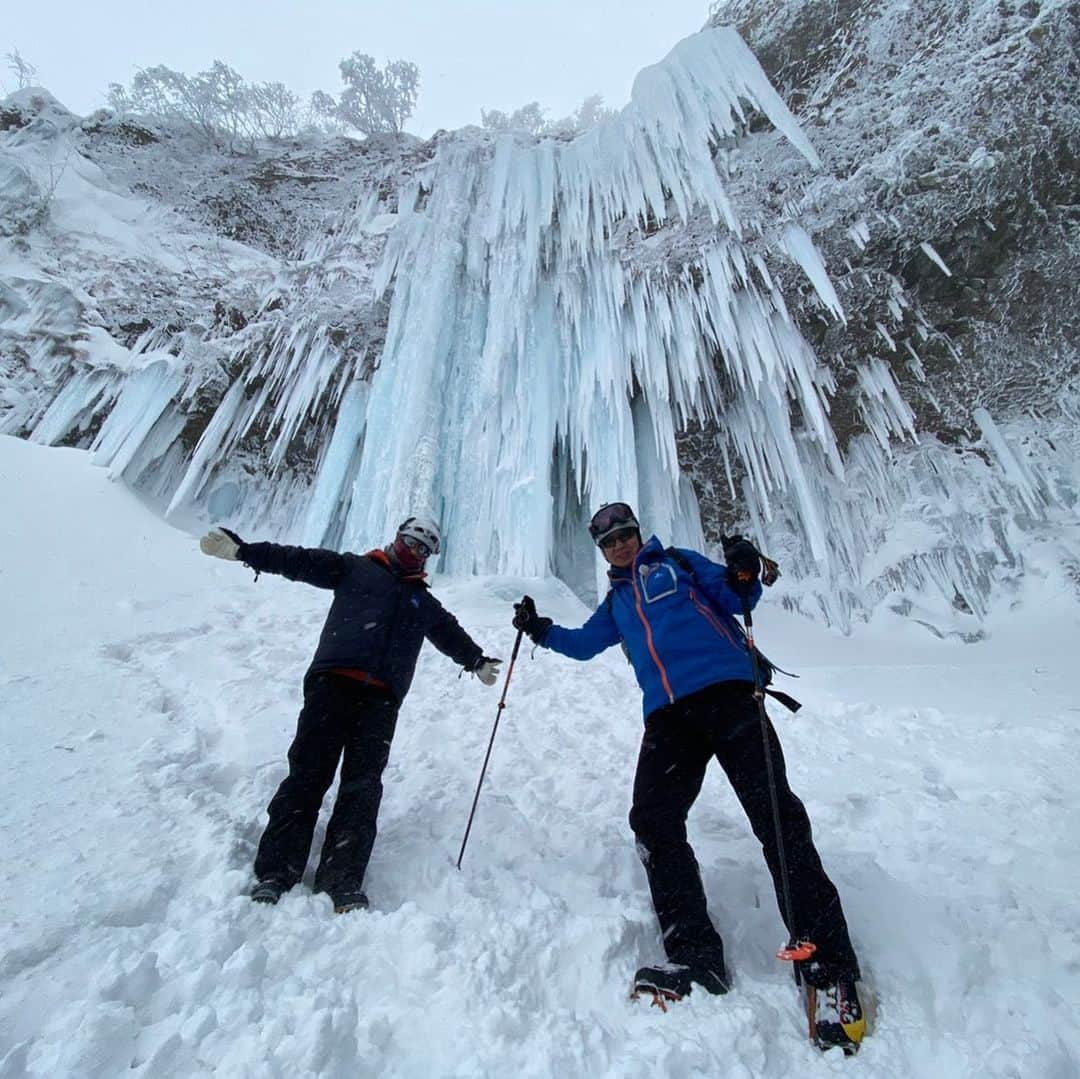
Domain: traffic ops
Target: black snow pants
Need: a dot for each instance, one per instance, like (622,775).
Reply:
(342,720)
(722,721)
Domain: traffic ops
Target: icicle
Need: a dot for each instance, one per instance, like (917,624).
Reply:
(142,401)
(209,447)
(801,248)
(934,257)
(77,400)
(884,410)
(337,465)
(1010,463)
(860,234)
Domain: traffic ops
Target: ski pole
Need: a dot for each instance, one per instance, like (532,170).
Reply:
(491,743)
(795,949)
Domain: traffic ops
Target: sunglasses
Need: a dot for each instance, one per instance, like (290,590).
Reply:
(611,540)
(418,547)
(611,516)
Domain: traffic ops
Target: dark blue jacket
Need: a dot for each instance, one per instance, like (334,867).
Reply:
(680,633)
(378,620)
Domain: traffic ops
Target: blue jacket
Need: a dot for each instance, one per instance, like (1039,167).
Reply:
(679,633)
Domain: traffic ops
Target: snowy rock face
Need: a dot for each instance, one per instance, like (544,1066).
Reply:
(951,135)
(946,214)
(680,308)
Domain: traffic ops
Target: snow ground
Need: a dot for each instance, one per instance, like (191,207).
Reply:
(148,697)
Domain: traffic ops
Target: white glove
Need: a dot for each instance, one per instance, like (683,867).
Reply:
(218,544)
(487,670)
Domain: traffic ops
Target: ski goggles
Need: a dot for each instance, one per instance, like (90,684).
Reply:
(620,534)
(418,547)
(611,518)
(426,531)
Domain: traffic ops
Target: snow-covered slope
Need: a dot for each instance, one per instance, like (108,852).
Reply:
(148,697)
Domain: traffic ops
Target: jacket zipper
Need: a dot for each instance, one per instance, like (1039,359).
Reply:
(400,587)
(648,639)
(710,616)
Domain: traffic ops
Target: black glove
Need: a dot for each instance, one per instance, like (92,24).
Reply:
(529,622)
(743,563)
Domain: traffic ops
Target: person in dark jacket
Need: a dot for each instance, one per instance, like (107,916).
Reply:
(363,666)
(674,612)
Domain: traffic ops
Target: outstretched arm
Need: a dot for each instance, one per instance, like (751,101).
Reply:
(311,565)
(598,633)
(315,566)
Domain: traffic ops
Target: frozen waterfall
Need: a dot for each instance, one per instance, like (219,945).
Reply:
(528,373)
(506,331)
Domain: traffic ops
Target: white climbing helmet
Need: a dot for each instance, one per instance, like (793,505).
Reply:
(423,529)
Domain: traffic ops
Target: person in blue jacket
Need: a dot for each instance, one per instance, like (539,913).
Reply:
(674,613)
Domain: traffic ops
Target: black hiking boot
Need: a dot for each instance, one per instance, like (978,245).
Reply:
(349,901)
(268,891)
(674,980)
(839,1022)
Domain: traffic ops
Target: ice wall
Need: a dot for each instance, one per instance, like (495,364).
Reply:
(529,370)
(524,355)
(542,347)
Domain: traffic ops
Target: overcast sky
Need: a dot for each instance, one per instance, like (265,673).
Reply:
(472,54)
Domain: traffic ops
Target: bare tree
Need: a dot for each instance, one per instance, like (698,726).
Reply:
(223,106)
(528,118)
(376,101)
(218,102)
(592,111)
(273,109)
(160,91)
(21,68)
(322,114)
(531,118)
(222,96)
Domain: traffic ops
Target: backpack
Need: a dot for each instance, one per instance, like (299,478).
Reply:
(765,667)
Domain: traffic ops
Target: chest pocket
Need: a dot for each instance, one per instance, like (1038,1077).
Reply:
(656,581)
